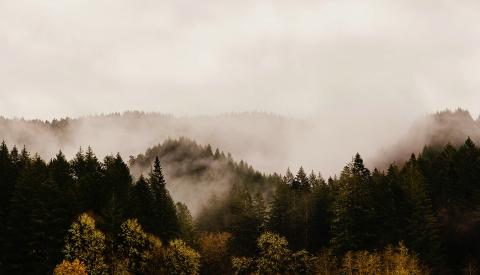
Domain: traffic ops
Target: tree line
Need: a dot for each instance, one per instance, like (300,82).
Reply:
(89,216)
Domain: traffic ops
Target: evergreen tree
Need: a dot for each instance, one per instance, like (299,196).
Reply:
(423,232)
(354,212)
(7,184)
(391,206)
(242,222)
(165,224)
(142,203)
(118,181)
(279,221)
(60,205)
(321,216)
(468,169)
(302,180)
(27,244)
(7,181)
(186,225)
(87,173)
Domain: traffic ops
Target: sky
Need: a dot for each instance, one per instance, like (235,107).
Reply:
(375,60)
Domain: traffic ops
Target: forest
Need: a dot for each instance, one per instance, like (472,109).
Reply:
(111,216)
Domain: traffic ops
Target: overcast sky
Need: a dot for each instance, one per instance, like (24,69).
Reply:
(372,58)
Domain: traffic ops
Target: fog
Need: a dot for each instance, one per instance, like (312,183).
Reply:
(353,75)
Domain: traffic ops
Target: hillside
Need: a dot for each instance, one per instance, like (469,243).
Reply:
(195,173)
(262,139)
(437,130)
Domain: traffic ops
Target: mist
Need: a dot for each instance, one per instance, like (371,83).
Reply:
(340,77)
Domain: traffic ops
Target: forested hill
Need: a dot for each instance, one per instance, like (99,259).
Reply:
(92,216)
(195,173)
(256,137)
(269,142)
(439,129)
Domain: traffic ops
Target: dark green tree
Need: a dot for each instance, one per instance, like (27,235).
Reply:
(142,203)
(186,224)
(27,242)
(165,225)
(118,183)
(88,172)
(423,234)
(353,226)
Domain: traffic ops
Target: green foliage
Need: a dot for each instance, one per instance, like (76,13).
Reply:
(424,236)
(353,225)
(37,221)
(165,222)
(133,246)
(180,259)
(86,243)
(431,203)
(274,257)
(87,174)
(142,203)
(186,225)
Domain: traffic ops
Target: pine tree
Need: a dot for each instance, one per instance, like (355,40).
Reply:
(302,180)
(142,203)
(468,169)
(279,220)
(166,223)
(7,184)
(60,203)
(118,181)
(87,173)
(260,211)
(391,207)
(242,222)
(7,181)
(29,217)
(321,215)
(423,232)
(186,224)
(354,212)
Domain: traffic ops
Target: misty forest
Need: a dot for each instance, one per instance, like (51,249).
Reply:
(218,137)
(85,215)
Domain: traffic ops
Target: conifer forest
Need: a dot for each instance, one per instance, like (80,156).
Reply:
(87,215)
(251,137)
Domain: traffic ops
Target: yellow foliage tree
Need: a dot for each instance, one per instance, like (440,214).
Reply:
(180,259)
(392,261)
(214,251)
(70,268)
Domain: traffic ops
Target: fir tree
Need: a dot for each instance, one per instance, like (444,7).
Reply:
(165,224)
(422,227)
(354,212)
